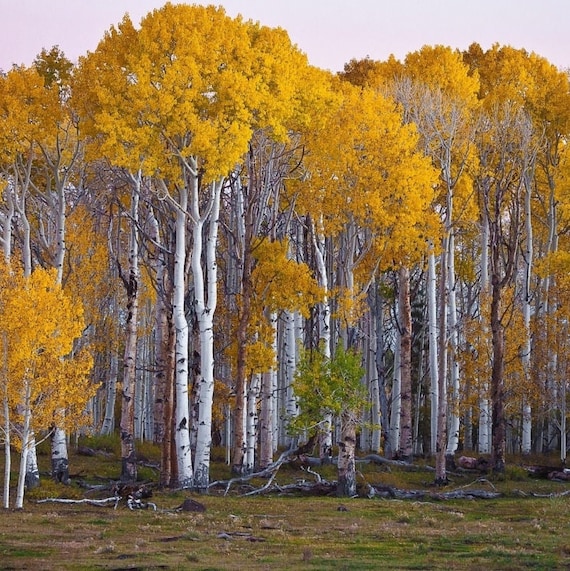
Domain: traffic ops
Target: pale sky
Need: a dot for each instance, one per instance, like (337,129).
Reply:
(330,32)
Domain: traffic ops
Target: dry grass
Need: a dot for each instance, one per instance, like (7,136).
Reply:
(274,533)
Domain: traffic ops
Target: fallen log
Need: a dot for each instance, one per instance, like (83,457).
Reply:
(390,492)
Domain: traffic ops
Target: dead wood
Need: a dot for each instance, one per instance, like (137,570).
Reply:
(391,492)
(269,472)
(552,495)
(102,502)
(541,471)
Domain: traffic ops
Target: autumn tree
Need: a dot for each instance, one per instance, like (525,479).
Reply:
(164,101)
(371,192)
(47,380)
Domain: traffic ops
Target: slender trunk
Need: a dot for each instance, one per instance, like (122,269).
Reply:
(32,468)
(396,396)
(432,332)
(381,372)
(131,282)
(242,341)
(526,437)
(252,421)
(405,451)
(346,486)
(59,453)
(291,405)
(108,425)
(484,404)
(182,414)
(440,460)
(453,432)
(7,451)
(27,406)
(205,301)
(497,380)
(563,421)
(324,313)
(374,384)
(6,414)
(268,405)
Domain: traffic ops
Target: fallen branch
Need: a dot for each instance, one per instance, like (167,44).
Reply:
(269,472)
(396,493)
(552,495)
(263,488)
(102,502)
(478,481)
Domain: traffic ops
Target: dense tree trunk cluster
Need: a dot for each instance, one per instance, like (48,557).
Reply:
(373,261)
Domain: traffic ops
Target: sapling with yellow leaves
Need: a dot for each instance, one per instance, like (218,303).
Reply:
(47,380)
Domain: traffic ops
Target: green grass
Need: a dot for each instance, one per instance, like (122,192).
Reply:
(516,531)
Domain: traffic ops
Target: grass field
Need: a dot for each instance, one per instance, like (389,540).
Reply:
(273,532)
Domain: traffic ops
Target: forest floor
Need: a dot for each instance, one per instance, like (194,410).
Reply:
(525,525)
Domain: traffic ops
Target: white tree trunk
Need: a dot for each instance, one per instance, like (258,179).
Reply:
(453,434)
(6,414)
(484,426)
(405,441)
(374,392)
(485,417)
(433,335)
(32,468)
(205,301)
(396,403)
(291,405)
(6,218)
(59,453)
(59,456)
(182,414)
(108,425)
(268,405)
(27,411)
(326,441)
(563,421)
(251,423)
(440,459)
(131,282)
(526,436)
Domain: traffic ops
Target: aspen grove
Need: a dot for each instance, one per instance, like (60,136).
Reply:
(242,250)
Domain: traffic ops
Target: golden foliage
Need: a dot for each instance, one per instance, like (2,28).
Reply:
(364,166)
(40,325)
(191,82)
(281,283)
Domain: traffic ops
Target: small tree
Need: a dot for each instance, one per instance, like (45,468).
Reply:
(46,380)
(332,386)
